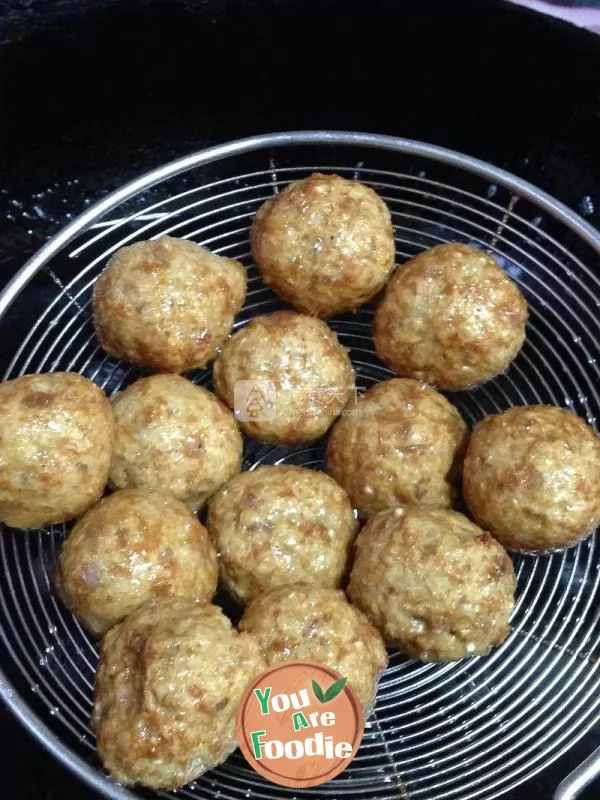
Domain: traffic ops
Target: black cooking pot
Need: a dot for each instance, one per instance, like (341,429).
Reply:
(96,91)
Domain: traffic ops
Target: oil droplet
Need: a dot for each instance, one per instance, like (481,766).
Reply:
(586,206)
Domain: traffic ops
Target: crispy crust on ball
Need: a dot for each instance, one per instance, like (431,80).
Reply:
(402,446)
(280,525)
(56,439)
(129,548)
(175,438)
(308,371)
(167,304)
(532,477)
(436,586)
(325,244)
(314,624)
(450,316)
(167,689)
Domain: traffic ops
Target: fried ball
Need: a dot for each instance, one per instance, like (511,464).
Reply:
(131,547)
(167,304)
(308,623)
(436,586)
(286,376)
(56,439)
(450,316)
(175,438)
(402,446)
(532,477)
(279,525)
(167,689)
(325,244)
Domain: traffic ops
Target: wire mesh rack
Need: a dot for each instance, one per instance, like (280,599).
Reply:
(470,729)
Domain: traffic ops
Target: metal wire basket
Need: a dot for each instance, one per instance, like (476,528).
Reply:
(471,729)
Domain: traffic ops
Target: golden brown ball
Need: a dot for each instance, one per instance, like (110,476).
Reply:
(175,438)
(309,623)
(436,586)
(279,525)
(167,689)
(167,304)
(325,244)
(286,376)
(402,446)
(450,316)
(56,439)
(532,477)
(131,547)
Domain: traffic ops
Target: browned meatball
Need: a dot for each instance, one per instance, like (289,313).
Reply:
(286,376)
(167,689)
(436,586)
(175,438)
(280,525)
(532,477)
(402,446)
(167,304)
(131,547)
(450,316)
(307,623)
(56,439)
(325,244)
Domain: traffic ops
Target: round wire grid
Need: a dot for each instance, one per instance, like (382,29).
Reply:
(471,729)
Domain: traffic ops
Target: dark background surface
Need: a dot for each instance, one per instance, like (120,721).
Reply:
(94,92)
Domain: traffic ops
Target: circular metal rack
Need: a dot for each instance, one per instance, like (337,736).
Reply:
(471,729)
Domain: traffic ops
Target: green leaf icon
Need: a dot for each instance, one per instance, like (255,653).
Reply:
(318,692)
(333,691)
(335,688)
